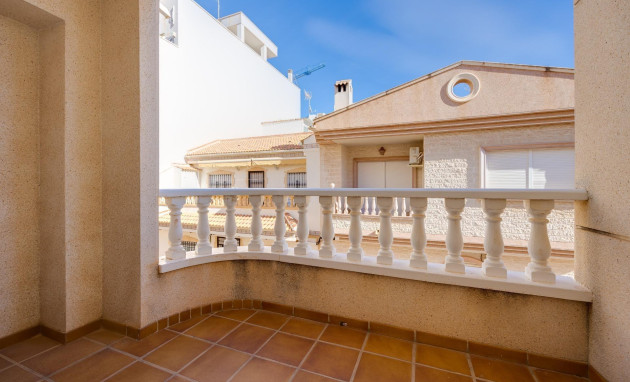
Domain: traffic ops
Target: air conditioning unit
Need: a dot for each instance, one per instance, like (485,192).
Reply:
(415,156)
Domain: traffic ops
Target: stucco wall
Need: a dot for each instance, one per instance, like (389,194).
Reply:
(275,176)
(540,325)
(602,137)
(19,129)
(454,161)
(65,138)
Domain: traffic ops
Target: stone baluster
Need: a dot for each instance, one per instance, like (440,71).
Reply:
(454,239)
(364,206)
(230,244)
(493,242)
(418,233)
(407,207)
(539,247)
(385,236)
(256,245)
(401,206)
(355,252)
(327,249)
(280,228)
(204,247)
(302,248)
(175,232)
(371,206)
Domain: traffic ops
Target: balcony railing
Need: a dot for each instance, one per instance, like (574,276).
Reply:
(537,277)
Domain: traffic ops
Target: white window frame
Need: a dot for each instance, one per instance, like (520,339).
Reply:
(530,148)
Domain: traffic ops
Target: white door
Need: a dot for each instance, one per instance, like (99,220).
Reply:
(371,175)
(395,174)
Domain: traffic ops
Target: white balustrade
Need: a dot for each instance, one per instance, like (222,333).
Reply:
(387,203)
(302,248)
(230,244)
(493,242)
(539,247)
(280,228)
(454,238)
(355,252)
(256,245)
(327,249)
(418,258)
(385,235)
(204,247)
(175,250)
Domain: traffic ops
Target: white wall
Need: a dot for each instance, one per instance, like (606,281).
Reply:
(214,86)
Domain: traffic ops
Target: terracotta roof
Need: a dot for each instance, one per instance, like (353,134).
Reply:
(251,144)
(217,222)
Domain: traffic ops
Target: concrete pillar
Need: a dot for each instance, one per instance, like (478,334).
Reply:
(602,153)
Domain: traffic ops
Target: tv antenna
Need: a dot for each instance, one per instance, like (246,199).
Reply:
(308,96)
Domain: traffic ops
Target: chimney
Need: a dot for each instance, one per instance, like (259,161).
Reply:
(290,75)
(343,94)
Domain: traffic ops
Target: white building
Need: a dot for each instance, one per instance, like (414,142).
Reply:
(216,83)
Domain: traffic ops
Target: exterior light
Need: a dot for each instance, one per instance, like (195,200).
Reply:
(381,150)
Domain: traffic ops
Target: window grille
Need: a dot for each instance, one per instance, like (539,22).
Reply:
(296,180)
(189,245)
(256,179)
(220,180)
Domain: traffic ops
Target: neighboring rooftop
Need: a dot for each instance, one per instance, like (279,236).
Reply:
(280,142)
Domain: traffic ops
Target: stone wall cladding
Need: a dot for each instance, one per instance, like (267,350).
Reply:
(454,161)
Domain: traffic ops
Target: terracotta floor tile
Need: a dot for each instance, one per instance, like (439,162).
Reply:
(94,368)
(494,370)
(305,376)
(343,336)
(333,361)
(237,314)
(389,346)
(376,368)
(28,348)
(247,338)
(213,329)
(17,374)
(4,363)
(304,328)
(552,376)
(428,374)
(105,336)
(177,353)
(260,370)
(286,348)
(62,356)
(145,345)
(183,326)
(442,358)
(268,319)
(217,364)
(140,372)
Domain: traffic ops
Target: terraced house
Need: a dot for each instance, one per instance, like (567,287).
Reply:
(86,295)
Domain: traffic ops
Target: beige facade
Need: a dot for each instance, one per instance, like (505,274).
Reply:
(517,107)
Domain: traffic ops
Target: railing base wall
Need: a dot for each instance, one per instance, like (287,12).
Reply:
(516,282)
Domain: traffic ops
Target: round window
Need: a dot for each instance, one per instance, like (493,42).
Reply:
(463,87)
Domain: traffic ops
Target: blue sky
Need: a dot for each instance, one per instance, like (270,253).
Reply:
(380,44)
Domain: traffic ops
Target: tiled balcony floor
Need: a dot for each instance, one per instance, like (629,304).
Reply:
(252,345)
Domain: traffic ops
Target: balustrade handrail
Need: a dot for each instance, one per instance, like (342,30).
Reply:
(468,193)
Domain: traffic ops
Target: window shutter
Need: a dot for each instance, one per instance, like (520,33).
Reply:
(553,168)
(507,169)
